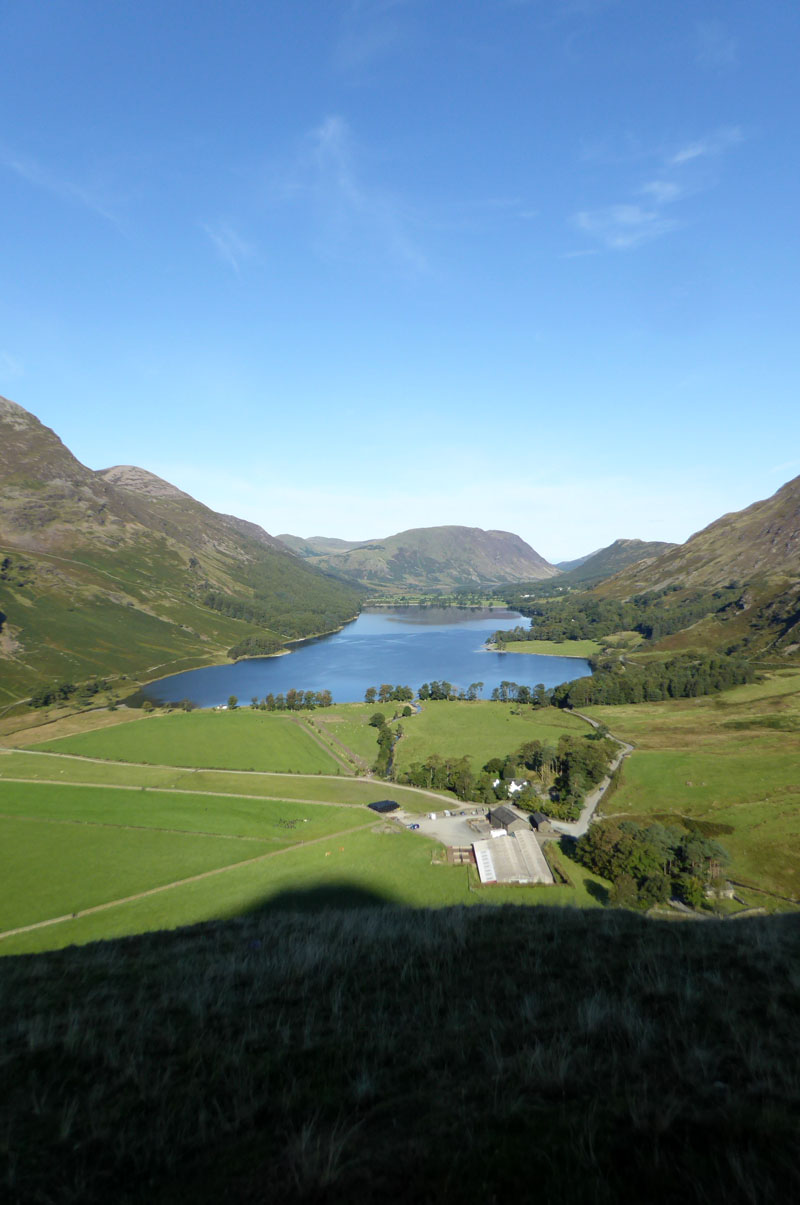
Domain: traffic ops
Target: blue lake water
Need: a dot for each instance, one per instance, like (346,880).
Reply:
(405,646)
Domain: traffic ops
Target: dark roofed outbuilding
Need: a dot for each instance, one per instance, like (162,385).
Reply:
(501,817)
(383,806)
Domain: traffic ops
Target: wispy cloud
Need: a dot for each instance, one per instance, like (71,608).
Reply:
(370,29)
(715,46)
(703,148)
(42,177)
(10,366)
(229,244)
(620,227)
(355,216)
(646,215)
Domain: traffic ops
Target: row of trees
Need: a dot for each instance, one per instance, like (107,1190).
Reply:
(564,772)
(684,677)
(649,864)
(293,700)
(386,693)
(446,690)
(60,692)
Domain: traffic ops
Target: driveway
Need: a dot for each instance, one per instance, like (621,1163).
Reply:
(450,830)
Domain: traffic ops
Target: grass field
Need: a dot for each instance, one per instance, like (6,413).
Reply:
(393,867)
(479,730)
(51,767)
(730,759)
(232,740)
(553,648)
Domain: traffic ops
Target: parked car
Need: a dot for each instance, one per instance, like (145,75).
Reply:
(413,826)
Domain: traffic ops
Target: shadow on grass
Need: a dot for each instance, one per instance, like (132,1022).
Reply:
(328,896)
(597,891)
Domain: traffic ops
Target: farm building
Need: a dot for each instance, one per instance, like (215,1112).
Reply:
(512,858)
(509,819)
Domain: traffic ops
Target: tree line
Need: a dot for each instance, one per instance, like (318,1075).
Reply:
(563,774)
(60,692)
(653,614)
(650,864)
(686,676)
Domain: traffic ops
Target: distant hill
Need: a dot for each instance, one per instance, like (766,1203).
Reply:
(118,570)
(566,566)
(317,545)
(429,558)
(608,561)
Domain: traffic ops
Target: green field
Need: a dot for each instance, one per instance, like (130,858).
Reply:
(381,867)
(479,730)
(553,648)
(52,767)
(731,760)
(231,740)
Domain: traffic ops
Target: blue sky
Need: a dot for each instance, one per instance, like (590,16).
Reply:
(353,266)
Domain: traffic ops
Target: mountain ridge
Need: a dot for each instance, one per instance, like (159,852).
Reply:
(444,557)
(117,570)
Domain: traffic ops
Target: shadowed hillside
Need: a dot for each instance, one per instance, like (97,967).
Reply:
(381,1054)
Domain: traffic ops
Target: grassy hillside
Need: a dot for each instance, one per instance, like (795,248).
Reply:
(608,561)
(121,573)
(383,1054)
(728,761)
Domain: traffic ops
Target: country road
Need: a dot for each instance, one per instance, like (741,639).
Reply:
(576,828)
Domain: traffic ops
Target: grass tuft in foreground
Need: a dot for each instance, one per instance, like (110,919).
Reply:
(384,1054)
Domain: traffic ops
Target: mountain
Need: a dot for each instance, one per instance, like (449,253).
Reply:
(761,541)
(317,545)
(429,558)
(758,551)
(118,570)
(608,561)
(566,566)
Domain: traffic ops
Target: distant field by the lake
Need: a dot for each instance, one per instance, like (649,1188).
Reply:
(553,648)
(479,730)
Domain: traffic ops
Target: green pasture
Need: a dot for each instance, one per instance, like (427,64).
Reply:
(479,730)
(39,767)
(731,760)
(286,821)
(553,648)
(48,868)
(234,740)
(394,868)
(348,723)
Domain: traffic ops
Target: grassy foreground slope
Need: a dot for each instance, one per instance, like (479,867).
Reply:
(388,1055)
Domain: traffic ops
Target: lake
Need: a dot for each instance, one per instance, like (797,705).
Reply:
(405,646)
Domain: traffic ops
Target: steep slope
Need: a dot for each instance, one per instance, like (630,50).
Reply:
(120,571)
(613,559)
(436,558)
(761,541)
(759,549)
